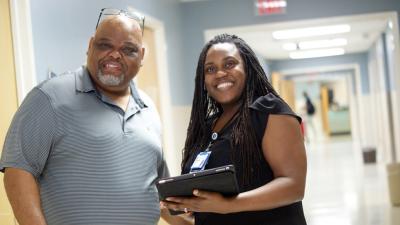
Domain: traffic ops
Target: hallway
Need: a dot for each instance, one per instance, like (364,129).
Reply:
(341,190)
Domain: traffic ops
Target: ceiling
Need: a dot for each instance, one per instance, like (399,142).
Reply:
(365,29)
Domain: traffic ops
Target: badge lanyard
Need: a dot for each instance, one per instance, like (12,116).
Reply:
(202,158)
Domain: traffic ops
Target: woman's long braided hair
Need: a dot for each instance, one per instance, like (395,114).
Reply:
(243,137)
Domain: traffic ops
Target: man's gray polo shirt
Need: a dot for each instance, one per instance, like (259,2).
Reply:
(95,163)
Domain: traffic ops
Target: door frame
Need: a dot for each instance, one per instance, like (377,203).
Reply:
(25,70)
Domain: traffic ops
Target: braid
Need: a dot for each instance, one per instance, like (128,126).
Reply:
(243,139)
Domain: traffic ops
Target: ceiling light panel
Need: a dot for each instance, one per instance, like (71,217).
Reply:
(289,46)
(316,53)
(337,42)
(311,31)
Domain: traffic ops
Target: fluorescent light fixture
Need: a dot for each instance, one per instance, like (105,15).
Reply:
(337,42)
(316,53)
(304,45)
(311,31)
(289,46)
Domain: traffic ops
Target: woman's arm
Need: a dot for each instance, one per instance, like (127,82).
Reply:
(283,149)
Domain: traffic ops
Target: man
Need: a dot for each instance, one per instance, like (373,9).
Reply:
(85,147)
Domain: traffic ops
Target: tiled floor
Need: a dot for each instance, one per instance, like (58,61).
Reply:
(341,190)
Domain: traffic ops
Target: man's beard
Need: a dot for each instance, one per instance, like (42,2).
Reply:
(110,80)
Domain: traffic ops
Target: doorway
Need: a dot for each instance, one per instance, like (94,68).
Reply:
(8,97)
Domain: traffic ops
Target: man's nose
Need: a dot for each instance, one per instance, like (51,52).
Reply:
(115,54)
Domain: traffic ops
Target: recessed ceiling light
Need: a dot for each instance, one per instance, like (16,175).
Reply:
(289,46)
(304,45)
(316,53)
(329,43)
(311,31)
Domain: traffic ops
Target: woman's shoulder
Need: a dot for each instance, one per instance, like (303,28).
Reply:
(269,103)
(272,104)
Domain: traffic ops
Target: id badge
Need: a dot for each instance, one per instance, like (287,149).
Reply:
(200,162)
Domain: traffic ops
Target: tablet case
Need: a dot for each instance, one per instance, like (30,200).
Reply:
(220,179)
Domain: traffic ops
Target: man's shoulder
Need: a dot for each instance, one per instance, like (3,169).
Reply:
(62,87)
(61,81)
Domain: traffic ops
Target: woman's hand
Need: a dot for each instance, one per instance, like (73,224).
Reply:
(202,201)
(182,219)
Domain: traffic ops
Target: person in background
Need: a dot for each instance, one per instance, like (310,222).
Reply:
(239,119)
(85,147)
(309,121)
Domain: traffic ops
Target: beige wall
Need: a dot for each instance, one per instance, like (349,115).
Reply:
(8,97)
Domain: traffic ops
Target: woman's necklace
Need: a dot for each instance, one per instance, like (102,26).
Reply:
(202,158)
(214,134)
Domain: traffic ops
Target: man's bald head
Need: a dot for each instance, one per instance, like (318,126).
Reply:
(115,53)
(119,22)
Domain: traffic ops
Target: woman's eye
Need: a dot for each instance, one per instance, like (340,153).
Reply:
(230,65)
(210,69)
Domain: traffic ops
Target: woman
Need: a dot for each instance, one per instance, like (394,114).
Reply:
(241,120)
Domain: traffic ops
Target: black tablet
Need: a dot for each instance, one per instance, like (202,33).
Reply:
(221,179)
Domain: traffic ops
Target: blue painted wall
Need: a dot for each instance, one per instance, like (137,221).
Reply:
(203,15)
(62,29)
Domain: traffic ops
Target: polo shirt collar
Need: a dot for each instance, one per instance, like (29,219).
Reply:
(83,83)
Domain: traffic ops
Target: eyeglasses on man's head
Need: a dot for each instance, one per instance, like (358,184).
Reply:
(112,12)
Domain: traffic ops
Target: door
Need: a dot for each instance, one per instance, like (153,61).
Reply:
(324,109)
(147,79)
(8,97)
(285,88)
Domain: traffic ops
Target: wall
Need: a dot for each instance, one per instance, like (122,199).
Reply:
(391,67)
(203,15)
(378,104)
(341,97)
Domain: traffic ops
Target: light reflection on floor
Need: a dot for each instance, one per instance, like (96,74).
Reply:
(342,190)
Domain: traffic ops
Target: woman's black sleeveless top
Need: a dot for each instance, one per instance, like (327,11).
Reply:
(221,155)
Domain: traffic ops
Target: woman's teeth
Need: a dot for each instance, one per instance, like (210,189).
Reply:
(224,85)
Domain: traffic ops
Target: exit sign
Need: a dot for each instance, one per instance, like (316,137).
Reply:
(268,7)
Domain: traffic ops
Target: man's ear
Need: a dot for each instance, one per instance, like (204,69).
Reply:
(143,52)
(90,45)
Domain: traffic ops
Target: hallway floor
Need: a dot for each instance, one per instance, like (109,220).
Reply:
(341,190)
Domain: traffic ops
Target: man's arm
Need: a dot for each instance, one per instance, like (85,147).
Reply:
(23,194)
